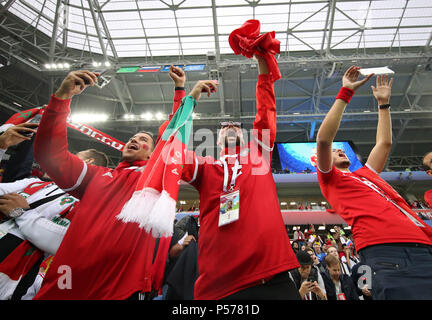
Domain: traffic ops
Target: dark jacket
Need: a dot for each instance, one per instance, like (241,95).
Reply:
(296,277)
(347,287)
(181,279)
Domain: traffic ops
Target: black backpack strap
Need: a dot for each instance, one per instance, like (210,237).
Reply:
(45,200)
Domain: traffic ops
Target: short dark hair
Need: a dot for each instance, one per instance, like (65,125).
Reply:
(100,158)
(149,134)
(310,249)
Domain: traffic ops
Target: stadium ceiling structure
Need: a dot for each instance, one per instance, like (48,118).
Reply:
(42,40)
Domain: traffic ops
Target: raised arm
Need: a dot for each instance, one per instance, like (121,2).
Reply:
(192,168)
(330,125)
(265,120)
(379,154)
(179,77)
(51,146)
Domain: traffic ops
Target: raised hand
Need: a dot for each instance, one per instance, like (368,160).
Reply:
(350,78)
(75,83)
(178,75)
(382,91)
(16,134)
(208,86)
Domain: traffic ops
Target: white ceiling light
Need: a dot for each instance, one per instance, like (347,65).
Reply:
(147,116)
(89,117)
(159,116)
(129,116)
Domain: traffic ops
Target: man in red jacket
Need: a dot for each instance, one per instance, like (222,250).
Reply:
(244,251)
(427,166)
(390,237)
(100,257)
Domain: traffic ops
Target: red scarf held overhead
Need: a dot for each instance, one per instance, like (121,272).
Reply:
(247,41)
(89,131)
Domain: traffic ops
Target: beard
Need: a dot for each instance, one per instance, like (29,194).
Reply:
(343,164)
(228,141)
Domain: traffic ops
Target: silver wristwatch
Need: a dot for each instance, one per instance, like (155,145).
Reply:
(15,213)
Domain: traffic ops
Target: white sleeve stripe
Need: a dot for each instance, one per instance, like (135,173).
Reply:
(195,171)
(80,178)
(267,148)
(325,171)
(372,169)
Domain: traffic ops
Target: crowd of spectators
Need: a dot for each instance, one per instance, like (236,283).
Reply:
(329,265)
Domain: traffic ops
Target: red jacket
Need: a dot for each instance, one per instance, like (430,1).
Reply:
(100,256)
(256,246)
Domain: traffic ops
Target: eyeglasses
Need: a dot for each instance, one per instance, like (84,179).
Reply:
(333,150)
(225,124)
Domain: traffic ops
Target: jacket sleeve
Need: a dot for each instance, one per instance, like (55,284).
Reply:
(51,150)
(40,231)
(178,96)
(193,169)
(265,121)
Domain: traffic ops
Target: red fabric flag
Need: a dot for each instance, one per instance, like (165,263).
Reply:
(247,41)
(89,131)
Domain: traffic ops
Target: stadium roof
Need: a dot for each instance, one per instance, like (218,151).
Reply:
(319,41)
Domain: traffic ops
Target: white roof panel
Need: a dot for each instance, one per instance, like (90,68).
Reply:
(387,23)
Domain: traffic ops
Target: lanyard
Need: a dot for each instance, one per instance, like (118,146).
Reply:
(375,188)
(235,169)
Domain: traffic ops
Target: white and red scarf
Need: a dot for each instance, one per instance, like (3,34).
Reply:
(153,204)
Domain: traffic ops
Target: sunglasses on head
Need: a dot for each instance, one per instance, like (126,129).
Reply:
(225,124)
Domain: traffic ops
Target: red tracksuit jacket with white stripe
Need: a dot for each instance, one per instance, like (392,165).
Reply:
(256,246)
(100,256)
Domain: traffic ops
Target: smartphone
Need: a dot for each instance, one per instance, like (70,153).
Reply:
(101,81)
(376,71)
(36,119)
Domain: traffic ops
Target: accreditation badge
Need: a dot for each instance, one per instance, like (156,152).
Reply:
(229,208)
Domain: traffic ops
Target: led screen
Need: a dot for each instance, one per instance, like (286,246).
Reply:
(301,156)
